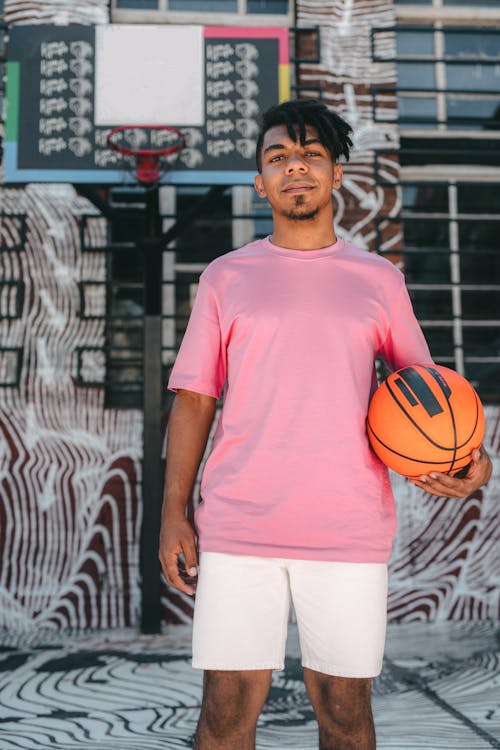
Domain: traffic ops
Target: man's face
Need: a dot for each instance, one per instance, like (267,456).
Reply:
(297,180)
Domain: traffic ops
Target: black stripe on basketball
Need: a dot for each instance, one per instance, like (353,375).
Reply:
(414,423)
(421,390)
(406,391)
(422,432)
(440,381)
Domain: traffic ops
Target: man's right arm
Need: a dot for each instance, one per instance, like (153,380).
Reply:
(189,425)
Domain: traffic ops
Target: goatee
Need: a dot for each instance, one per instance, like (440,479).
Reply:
(299,213)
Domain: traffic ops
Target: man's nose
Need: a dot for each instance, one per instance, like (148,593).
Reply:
(296,163)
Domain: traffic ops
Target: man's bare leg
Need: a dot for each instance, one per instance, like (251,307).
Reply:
(231,705)
(343,709)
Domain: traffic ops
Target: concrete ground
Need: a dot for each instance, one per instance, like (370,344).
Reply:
(440,688)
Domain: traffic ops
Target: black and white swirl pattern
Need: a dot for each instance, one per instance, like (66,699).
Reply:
(437,688)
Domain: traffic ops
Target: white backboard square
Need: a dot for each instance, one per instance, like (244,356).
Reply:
(149,75)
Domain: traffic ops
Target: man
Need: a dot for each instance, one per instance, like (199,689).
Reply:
(294,502)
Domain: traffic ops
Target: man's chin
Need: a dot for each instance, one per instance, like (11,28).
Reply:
(301,214)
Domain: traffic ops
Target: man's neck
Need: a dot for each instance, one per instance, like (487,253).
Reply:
(292,235)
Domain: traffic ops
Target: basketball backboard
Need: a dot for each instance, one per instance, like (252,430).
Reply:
(68,86)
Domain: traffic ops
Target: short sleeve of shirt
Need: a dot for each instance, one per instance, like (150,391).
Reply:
(405,344)
(201,362)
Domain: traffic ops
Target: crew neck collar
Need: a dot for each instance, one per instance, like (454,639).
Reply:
(303,254)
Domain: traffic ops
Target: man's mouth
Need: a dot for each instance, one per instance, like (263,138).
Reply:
(298,187)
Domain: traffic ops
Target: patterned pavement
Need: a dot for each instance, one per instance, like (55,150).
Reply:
(439,689)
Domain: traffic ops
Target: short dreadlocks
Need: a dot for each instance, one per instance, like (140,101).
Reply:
(333,131)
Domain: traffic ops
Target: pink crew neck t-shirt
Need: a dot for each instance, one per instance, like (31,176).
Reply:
(290,338)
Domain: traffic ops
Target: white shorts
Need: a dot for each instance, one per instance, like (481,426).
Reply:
(242,610)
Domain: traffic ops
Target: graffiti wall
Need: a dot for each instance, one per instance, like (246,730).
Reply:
(69,470)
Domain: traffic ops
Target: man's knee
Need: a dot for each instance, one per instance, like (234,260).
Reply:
(342,707)
(232,701)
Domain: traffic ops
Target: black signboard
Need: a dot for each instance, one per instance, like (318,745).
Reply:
(51,131)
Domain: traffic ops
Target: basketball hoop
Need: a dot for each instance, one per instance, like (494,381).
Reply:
(153,147)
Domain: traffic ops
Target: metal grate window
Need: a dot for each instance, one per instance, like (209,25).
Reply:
(236,12)
(208,6)
(448,245)
(12,297)
(112,290)
(448,79)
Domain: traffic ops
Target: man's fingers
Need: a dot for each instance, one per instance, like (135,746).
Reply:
(477,454)
(442,485)
(190,557)
(178,557)
(439,488)
(445,485)
(173,575)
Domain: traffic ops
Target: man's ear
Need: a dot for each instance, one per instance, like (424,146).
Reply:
(337,176)
(259,186)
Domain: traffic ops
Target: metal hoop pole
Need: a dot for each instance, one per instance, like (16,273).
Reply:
(152,482)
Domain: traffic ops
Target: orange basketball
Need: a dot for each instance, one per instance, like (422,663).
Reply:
(425,418)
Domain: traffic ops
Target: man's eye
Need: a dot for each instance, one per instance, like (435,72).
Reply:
(276,158)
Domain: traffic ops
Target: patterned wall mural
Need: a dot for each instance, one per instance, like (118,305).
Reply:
(70,499)
(346,74)
(69,469)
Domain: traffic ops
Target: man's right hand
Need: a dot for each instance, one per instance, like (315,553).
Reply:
(189,425)
(177,538)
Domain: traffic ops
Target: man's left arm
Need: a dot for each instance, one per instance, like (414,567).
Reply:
(406,345)
(444,485)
